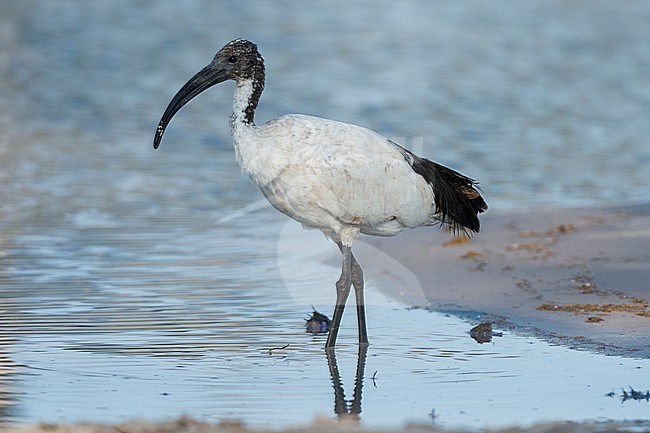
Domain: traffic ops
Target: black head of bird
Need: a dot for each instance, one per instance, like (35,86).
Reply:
(238,60)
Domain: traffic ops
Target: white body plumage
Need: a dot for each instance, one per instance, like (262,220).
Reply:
(340,178)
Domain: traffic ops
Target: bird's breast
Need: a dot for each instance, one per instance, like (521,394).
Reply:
(261,156)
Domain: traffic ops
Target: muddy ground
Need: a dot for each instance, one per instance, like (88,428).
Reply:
(577,277)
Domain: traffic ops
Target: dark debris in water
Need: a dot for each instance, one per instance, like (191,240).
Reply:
(318,323)
(483,333)
(632,394)
(277,348)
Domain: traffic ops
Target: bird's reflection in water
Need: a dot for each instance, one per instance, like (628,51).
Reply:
(347,409)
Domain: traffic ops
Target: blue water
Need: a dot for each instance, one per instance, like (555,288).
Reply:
(129,285)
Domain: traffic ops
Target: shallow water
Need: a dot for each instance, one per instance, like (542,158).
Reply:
(159,336)
(434,367)
(130,286)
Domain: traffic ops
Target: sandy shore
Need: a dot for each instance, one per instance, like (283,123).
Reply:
(185,425)
(580,277)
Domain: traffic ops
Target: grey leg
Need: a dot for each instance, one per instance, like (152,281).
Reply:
(342,291)
(357,281)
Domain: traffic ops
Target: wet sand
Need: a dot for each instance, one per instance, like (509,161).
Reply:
(186,425)
(576,277)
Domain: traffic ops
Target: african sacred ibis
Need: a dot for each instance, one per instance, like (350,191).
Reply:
(340,178)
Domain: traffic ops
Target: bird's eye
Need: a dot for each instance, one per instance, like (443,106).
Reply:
(232,59)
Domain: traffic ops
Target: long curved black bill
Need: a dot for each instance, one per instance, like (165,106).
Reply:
(204,79)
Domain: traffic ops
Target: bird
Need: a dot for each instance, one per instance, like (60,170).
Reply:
(340,178)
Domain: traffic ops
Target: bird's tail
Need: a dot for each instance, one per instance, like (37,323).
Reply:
(456,196)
